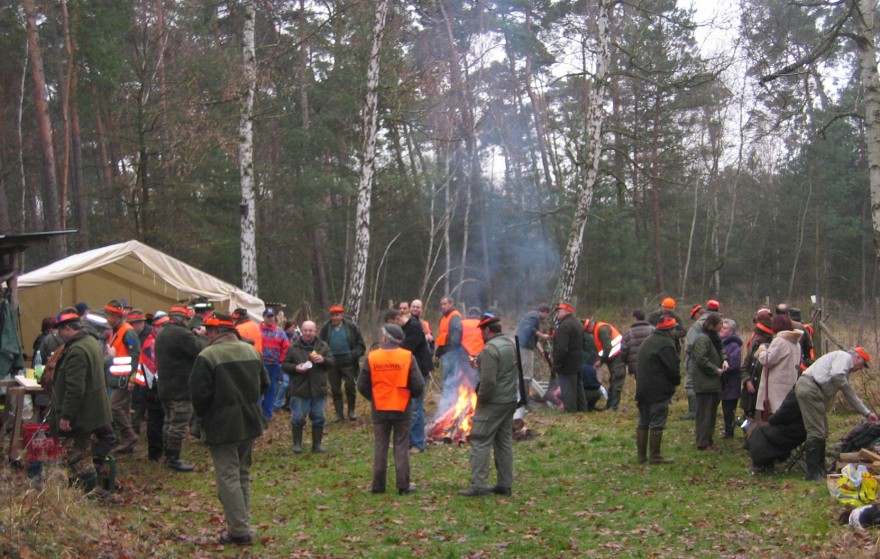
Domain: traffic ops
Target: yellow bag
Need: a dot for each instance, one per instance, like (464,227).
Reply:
(856,486)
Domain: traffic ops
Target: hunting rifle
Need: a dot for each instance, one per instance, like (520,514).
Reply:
(523,389)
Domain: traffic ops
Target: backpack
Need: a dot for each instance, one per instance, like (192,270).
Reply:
(49,369)
(861,436)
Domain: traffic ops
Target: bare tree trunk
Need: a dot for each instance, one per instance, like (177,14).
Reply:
(365,186)
(867,51)
(687,263)
(26,196)
(65,109)
(595,120)
(655,201)
(53,209)
(246,157)
(106,170)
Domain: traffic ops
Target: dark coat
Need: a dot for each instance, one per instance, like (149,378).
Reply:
(658,368)
(568,346)
(415,341)
(730,380)
(355,338)
(176,351)
(708,356)
(227,381)
(79,393)
(773,441)
(312,383)
(632,339)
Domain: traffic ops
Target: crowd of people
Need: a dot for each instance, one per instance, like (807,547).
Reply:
(192,370)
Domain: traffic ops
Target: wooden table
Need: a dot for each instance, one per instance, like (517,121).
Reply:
(15,394)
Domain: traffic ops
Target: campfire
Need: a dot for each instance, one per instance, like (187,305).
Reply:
(452,424)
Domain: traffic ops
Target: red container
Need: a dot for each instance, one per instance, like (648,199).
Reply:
(40,446)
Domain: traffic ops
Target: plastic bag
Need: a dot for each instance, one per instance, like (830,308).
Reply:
(856,486)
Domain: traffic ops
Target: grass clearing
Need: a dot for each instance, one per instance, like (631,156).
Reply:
(578,492)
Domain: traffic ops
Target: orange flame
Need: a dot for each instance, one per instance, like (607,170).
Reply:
(454,425)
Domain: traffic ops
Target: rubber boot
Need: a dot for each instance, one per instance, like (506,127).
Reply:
(297,431)
(692,405)
(814,454)
(175,462)
(655,439)
(642,445)
(352,415)
(337,404)
(89,483)
(317,435)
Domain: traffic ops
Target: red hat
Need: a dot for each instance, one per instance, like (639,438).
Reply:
(565,307)
(695,309)
(667,323)
(161,321)
(66,317)
(336,308)
(217,320)
(668,303)
(863,354)
(177,309)
(487,319)
(713,306)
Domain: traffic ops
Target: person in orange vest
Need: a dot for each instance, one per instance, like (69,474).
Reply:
(609,345)
(471,338)
(449,336)
(389,379)
(126,350)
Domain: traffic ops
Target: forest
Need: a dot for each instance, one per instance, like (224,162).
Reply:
(504,152)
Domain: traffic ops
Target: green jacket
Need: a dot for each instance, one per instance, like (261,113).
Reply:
(226,383)
(355,338)
(707,359)
(657,372)
(79,393)
(499,380)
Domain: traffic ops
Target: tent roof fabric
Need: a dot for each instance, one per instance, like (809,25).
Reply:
(148,269)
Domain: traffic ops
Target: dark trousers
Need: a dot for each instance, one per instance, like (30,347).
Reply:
(573,397)
(382,430)
(155,425)
(707,412)
(728,411)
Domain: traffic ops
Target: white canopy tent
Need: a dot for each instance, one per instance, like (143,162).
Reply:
(149,279)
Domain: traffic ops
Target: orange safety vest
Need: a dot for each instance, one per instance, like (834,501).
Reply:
(616,339)
(251,330)
(426,326)
(443,328)
(121,366)
(389,372)
(471,338)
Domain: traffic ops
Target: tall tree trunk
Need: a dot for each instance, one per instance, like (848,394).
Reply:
(246,157)
(101,137)
(50,177)
(65,109)
(595,119)
(655,200)
(365,185)
(867,52)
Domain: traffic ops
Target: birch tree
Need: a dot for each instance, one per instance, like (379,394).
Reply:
(365,185)
(246,156)
(595,118)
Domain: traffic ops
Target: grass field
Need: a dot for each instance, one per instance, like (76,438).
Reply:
(578,493)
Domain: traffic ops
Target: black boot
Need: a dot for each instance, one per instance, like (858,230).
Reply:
(352,415)
(317,435)
(337,405)
(642,445)
(297,431)
(89,483)
(814,454)
(175,462)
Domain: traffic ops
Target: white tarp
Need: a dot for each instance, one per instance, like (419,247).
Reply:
(149,279)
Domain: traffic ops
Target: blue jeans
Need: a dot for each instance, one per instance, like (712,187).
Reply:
(279,396)
(268,401)
(417,426)
(313,407)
